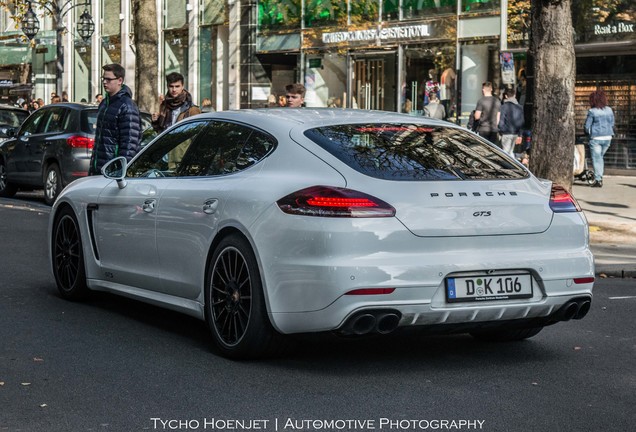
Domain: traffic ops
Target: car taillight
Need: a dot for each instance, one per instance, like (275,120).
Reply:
(327,201)
(561,201)
(77,141)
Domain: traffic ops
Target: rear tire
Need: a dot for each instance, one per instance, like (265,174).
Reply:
(505,334)
(68,256)
(7,189)
(235,308)
(52,183)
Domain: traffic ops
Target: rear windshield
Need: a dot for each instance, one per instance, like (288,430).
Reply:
(411,152)
(89,120)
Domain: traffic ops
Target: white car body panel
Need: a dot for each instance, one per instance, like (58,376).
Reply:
(307,264)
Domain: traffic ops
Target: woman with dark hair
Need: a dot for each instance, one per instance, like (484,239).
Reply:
(599,127)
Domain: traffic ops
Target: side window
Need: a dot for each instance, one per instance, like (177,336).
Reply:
(55,120)
(224,148)
(164,157)
(31,124)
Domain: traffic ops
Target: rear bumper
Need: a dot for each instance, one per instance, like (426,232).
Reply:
(546,311)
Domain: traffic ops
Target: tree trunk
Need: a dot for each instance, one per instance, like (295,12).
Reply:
(147,54)
(554,76)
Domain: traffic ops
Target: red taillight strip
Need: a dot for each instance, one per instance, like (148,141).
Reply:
(370,291)
(330,201)
(561,201)
(320,201)
(584,280)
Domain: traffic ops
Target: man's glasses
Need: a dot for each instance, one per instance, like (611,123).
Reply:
(109,79)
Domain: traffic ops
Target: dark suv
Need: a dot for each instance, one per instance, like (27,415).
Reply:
(51,149)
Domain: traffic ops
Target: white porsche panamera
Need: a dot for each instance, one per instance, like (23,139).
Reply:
(278,221)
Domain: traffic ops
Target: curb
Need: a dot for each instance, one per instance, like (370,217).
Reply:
(616,271)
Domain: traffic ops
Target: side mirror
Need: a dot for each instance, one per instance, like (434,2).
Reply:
(7,132)
(116,170)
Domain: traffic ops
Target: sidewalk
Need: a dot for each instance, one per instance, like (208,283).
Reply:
(611,213)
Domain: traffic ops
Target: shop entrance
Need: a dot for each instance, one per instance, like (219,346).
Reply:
(374,82)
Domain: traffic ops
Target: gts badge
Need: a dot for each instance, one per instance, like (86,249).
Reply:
(482,213)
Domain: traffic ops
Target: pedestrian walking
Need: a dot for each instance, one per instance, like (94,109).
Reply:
(511,121)
(599,127)
(295,95)
(118,125)
(176,105)
(487,113)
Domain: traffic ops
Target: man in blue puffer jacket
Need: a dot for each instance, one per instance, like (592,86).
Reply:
(118,121)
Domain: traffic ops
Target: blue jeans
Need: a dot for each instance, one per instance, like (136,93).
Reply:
(597,151)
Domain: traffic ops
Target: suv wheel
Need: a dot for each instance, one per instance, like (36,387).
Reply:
(6,189)
(52,183)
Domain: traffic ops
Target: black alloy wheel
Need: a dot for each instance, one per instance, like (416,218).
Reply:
(6,189)
(68,256)
(235,306)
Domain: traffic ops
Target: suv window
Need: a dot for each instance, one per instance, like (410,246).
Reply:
(415,152)
(55,120)
(88,121)
(30,126)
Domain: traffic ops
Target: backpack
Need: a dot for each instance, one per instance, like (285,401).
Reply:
(517,119)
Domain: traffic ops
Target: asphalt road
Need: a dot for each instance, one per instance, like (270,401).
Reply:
(112,364)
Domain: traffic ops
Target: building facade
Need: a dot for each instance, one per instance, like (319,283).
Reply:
(371,54)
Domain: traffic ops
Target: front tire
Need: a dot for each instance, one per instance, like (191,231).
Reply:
(68,256)
(235,308)
(52,183)
(7,190)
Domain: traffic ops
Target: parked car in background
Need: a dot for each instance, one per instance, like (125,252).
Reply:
(11,117)
(51,149)
(279,221)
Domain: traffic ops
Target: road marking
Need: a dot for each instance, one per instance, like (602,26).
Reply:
(622,298)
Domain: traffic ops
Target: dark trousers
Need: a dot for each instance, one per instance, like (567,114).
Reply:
(493,137)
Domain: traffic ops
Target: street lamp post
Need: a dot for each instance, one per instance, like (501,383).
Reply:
(58,10)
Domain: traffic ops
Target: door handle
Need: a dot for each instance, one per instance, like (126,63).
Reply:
(210,206)
(149,205)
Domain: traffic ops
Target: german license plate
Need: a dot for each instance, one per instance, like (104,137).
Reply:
(487,288)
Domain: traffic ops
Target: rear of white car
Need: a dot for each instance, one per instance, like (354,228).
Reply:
(467,245)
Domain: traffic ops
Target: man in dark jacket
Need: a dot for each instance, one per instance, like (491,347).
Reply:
(118,121)
(511,121)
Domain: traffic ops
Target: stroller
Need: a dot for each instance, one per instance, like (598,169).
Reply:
(581,170)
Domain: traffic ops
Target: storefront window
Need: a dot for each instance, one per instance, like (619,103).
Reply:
(325,13)
(604,21)
(425,8)
(82,85)
(364,11)
(279,14)
(390,10)
(205,63)
(111,32)
(175,39)
(176,52)
(471,6)
(325,80)
(518,23)
(175,13)
(213,12)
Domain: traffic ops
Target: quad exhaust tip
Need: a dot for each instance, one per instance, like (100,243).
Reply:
(367,322)
(574,309)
